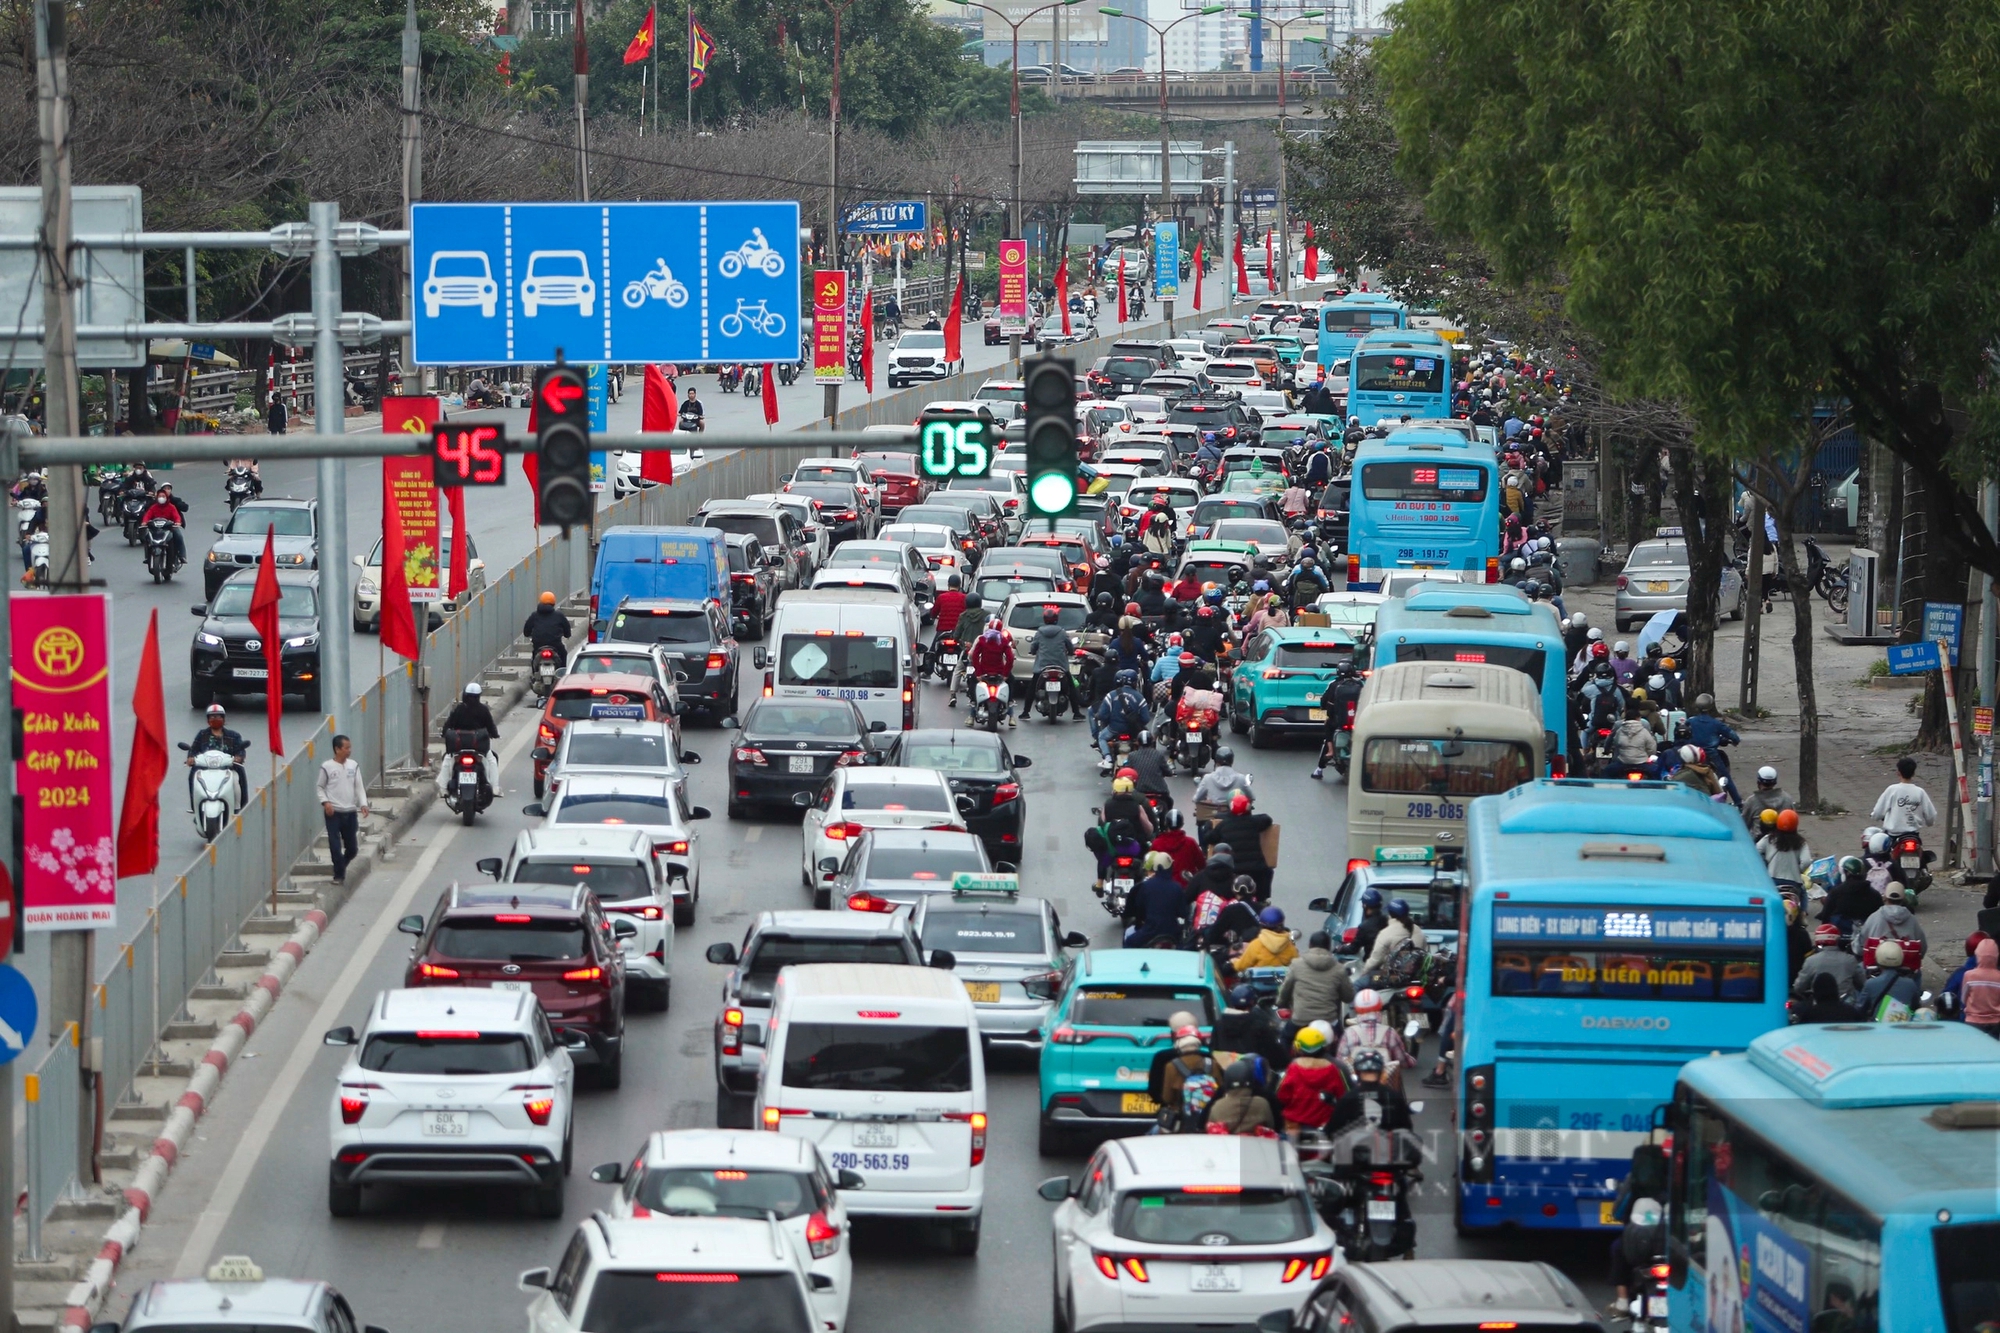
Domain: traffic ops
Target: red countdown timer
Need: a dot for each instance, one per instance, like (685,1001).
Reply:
(469,455)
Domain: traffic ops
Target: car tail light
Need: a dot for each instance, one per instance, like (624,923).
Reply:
(546,734)
(774,1114)
(843,831)
(1622,582)
(868,902)
(822,1237)
(767,684)
(750,754)
(538,1102)
(591,973)
(1105,1264)
(717,661)
(432,972)
(1136,1266)
(1005,792)
(977,1119)
(354,1101)
(1293,1267)
(670,848)
(732,1032)
(1320,1265)
(1069,1036)
(1492,569)
(742,578)
(847,758)
(513,918)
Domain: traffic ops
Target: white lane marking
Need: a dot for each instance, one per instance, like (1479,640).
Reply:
(431,1237)
(755,832)
(208,1227)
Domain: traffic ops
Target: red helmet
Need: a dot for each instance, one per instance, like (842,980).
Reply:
(1131,608)
(1598,652)
(1188,659)
(1239,804)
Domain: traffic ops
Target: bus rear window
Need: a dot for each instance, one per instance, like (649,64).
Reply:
(853,661)
(1568,972)
(1460,483)
(1527,661)
(1398,372)
(1404,766)
(1350,321)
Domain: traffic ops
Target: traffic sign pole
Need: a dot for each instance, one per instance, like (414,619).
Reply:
(329,418)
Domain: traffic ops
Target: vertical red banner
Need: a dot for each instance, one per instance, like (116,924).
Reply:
(407,483)
(62,685)
(1013,286)
(830,326)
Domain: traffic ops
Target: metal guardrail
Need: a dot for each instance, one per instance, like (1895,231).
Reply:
(54,1088)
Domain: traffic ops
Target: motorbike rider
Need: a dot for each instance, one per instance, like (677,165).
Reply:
(1854,899)
(1104,611)
(1904,807)
(1272,946)
(1308,583)
(1242,1107)
(1316,986)
(545,626)
(1152,595)
(174,510)
(1373,921)
(1188,1079)
(971,624)
(1156,527)
(992,657)
(1210,630)
(1184,851)
(1319,467)
(1157,909)
(1397,930)
(1622,662)
(1125,814)
(950,605)
(1335,699)
(1106,587)
(217,736)
(1149,770)
(1576,636)
(1371,1083)
(1052,647)
(1123,711)
(1634,741)
(1892,920)
(1370,1031)
(1696,773)
(470,723)
(248,467)
(1223,781)
(691,411)
(1711,733)
(1767,796)
(1892,992)
(1831,958)
(1243,831)
(1312,1082)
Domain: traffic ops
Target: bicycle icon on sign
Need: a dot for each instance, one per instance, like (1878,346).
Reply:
(767,322)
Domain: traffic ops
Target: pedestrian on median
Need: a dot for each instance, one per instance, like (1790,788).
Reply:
(343,800)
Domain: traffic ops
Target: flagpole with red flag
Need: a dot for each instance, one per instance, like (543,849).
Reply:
(264,598)
(1312,255)
(770,382)
(1270,273)
(642,42)
(1121,286)
(1197,275)
(868,341)
(399,621)
(139,816)
(1242,273)
(1062,292)
(953,318)
(658,411)
(460,577)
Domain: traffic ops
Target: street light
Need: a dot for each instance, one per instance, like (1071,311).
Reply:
(1284,218)
(1166,163)
(830,396)
(1014,107)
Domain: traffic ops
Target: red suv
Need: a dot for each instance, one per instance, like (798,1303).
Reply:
(902,484)
(556,943)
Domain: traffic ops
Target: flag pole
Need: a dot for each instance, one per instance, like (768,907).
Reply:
(655,53)
(690,55)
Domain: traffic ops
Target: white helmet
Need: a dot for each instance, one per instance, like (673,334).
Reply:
(1878,844)
(1368,1002)
(1621,647)
(472,689)
(1656,682)
(1578,620)
(1767,774)
(1596,634)
(1690,754)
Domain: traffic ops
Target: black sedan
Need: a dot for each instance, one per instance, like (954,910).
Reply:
(787,746)
(977,764)
(227,656)
(753,586)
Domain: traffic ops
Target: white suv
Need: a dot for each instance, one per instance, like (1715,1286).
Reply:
(630,882)
(1186,1229)
(720,1275)
(920,356)
(449,1085)
(745,1173)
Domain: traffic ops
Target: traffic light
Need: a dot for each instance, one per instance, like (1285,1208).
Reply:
(1049,394)
(562,441)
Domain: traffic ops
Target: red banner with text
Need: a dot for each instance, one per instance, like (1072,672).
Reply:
(829,326)
(408,483)
(62,685)
(1013,286)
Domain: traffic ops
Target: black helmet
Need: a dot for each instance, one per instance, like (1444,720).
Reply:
(972,601)
(1367,1060)
(1243,1074)
(1127,677)
(1048,615)
(1224,757)
(1102,601)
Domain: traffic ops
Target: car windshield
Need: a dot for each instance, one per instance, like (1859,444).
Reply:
(823,472)
(919,341)
(1261,531)
(660,627)
(597,663)
(612,881)
(969,930)
(1207,415)
(619,749)
(1145,403)
(575,705)
(849,554)
(938,516)
(774,953)
(1315,656)
(685,1191)
(1007,393)
(1028,615)
(1130,367)
(703,1302)
(878,1057)
(613,808)
(446,1053)
(1003,482)
(854,661)
(257,519)
(1139,1006)
(924,539)
(790,721)
(1236,1217)
(295,601)
(838,493)
(947,758)
(895,796)
(1424,767)
(1000,588)
(374,560)
(520,939)
(938,864)
(1208,511)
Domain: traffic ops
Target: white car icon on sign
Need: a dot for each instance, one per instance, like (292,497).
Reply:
(460,277)
(558,277)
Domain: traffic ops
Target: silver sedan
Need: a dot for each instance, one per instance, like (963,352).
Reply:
(1655,578)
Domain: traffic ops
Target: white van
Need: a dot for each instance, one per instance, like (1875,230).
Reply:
(845,643)
(882,1068)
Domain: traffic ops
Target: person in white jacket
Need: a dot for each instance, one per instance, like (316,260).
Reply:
(1904,807)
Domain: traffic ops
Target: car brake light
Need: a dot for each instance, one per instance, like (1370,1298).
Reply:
(846,758)
(592,973)
(695,1277)
(1414,992)
(670,849)
(538,1103)
(1558,766)
(354,1101)
(843,831)
(1622,582)
(546,734)
(1211,1189)
(436,973)
(717,661)
(1136,1267)
(822,1236)
(773,1114)
(513,918)
(1069,1036)
(732,1032)
(977,1119)
(1320,1265)
(1293,1267)
(1105,1265)
(749,754)
(868,902)
(1354,863)
(767,684)
(1005,792)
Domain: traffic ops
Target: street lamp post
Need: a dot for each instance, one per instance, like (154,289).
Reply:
(1166,161)
(830,396)
(1284,218)
(1014,110)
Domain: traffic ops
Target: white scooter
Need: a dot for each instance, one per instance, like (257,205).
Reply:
(216,795)
(34,543)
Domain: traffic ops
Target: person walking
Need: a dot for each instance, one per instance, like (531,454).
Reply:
(343,800)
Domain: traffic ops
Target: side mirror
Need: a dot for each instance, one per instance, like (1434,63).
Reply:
(535,1279)
(1319,905)
(535,810)
(1022,761)
(761,659)
(216,526)
(573,1040)
(1056,1188)
(690,757)
(185,747)
(729,723)
(541,754)
(359,562)
(878,726)
(611,1173)
(944,960)
(411,925)
(1076,939)
(488,866)
(802,799)
(199,610)
(723,953)
(698,812)
(829,865)
(342,1036)
(624,930)
(851,1180)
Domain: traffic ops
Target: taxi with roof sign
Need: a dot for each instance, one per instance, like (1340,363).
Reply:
(233,1294)
(1276,688)
(1011,952)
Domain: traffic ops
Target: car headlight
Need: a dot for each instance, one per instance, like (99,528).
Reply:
(216,557)
(303,641)
(208,640)
(292,559)
(366,587)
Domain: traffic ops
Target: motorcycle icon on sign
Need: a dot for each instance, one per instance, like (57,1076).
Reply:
(659,285)
(753,253)
(765,321)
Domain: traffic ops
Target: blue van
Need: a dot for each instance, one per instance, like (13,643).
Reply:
(684,564)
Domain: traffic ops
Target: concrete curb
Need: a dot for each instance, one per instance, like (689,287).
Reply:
(87,1295)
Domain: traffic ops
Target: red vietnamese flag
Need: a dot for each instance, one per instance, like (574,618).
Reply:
(868,341)
(264,598)
(1242,273)
(642,44)
(1062,292)
(531,465)
(952,319)
(770,382)
(139,816)
(460,576)
(1312,255)
(658,411)
(1270,268)
(399,620)
(1121,286)
(1197,275)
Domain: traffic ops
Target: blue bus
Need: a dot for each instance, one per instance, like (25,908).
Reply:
(1345,322)
(1405,373)
(1478,622)
(1425,498)
(1613,931)
(1841,1177)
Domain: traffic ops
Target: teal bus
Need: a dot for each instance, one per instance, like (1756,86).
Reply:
(1841,1177)
(1612,932)
(1493,623)
(1345,322)
(1404,373)
(1425,498)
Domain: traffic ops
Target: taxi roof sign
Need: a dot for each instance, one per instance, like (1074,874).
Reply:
(235,1268)
(1404,855)
(966,883)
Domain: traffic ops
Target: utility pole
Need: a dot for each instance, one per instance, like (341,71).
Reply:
(1229,223)
(581,64)
(1753,614)
(330,418)
(69,565)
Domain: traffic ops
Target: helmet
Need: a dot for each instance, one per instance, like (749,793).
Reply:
(1827,936)
(1704,701)
(1261,585)
(1851,865)
(1517,565)
(1241,1074)
(1117,539)
(1127,676)
(1048,615)
(1121,786)
(1132,609)
(1398,909)
(1271,916)
(1596,635)
(1172,819)
(1598,652)
(1145,739)
(972,602)
(1205,611)
(1187,1037)
(472,689)
(1309,1041)
(1656,682)
(1127,772)
(1101,601)
(1690,754)
(1621,648)
(1370,899)
(1879,845)
(1306,561)
(1769,819)
(1103,562)
(1368,1002)
(1214,595)
(1224,756)
(1239,804)
(1889,953)
(1368,1060)
(215,710)
(1788,821)
(1159,502)
(547,599)
(1187,660)
(1242,886)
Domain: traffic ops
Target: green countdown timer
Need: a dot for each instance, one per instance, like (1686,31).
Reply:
(961,447)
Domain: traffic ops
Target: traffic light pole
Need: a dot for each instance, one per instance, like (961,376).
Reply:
(36,451)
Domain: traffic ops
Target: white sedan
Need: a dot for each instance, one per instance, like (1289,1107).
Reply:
(855,800)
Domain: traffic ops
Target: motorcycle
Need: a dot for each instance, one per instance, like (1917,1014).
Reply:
(1120,746)
(1121,873)
(1052,692)
(161,560)
(1194,732)
(1912,863)
(942,659)
(1824,578)
(729,378)
(109,486)
(1360,1183)
(544,672)
(753,381)
(34,545)
(788,373)
(239,487)
(1646,1308)
(216,794)
(131,508)
(466,788)
(990,700)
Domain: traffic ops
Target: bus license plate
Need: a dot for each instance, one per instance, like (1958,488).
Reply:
(447,1124)
(983,992)
(1216,1277)
(875,1135)
(1137,1103)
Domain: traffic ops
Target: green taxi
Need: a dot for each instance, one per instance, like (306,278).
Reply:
(1275,690)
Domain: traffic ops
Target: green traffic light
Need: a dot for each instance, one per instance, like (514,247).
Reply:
(1052,493)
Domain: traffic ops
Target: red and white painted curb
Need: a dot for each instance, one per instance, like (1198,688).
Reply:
(86,1297)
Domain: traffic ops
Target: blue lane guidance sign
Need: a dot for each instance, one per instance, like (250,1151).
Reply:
(508,284)
(1913,659)
(18,1013)
(886,219)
